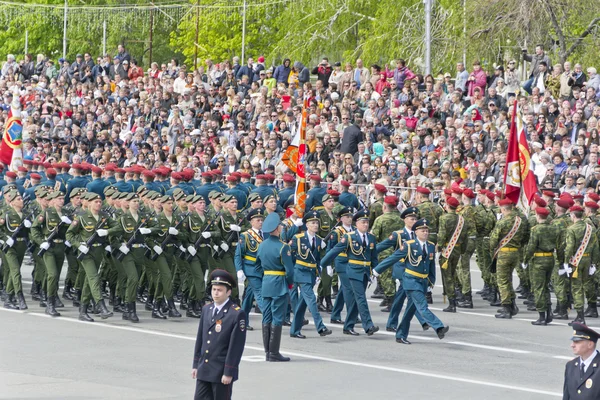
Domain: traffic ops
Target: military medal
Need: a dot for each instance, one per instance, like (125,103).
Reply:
(218,327)
(589,383)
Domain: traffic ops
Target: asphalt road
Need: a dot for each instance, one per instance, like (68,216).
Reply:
(480,358)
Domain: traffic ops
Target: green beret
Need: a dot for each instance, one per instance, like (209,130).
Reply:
(227,198)
(9,187)
(164,199)
(11,195)
(142,189)
(154,196)
(253,197)
(214,194)
(42,194)
(109,189)
(55,194)
(76,192)
(131,196)
(196,199)
(91,196)
(178,194)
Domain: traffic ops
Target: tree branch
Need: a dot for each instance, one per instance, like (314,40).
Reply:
(585,33)
(558,29)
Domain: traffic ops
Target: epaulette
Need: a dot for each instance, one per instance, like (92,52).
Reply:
(299,235)
(431,242)
(236,308)
(410,241)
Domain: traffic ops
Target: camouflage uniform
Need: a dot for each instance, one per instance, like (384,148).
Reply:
(539,257)
(447,227)
(432,213)
(485,219)
(522,273)
(560,283)
(375,210)
(382,228)
(326,224)
(464,267)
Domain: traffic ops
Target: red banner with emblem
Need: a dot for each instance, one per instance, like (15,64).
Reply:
(11,149)
(300,196)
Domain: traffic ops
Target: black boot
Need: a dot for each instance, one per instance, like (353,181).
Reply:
(549,317)
(104,312)
(385,302)
(67,295)
(132,313)
(320,305)
(467,302)
(266,333)
(328,304)
(429,297)
(562,312)
(524,293)
(519,288)
(504,313)
(140,295)
(580,318)
(9,304)
(173,313)
(150,302)
(125,315)
(335,289)
(592,311)
(514,310)
(274,343)
(83,315)
(57,302)
(50,310)
(531,307)
(191,311)
(43,298)
(77,298)
(35,291)
(21,300)
(451,306)
(184,301)
(541,320)
(495,297)
(483,291)
(118,305)
(378,292)
(156,310)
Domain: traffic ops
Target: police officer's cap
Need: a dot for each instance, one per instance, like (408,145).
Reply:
(255,213)
(582,332)
(165,199)
(311,216)
(362,214)
(214,194)
(271,222)
(421,224)
(253,197)
(222,277)
(346,211)
(410,212)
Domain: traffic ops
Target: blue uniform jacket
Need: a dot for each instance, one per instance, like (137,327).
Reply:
(314,197)
(263,191)
(289,230)
(275,257)
(123,187)
(246,253)
(307,262)
(395,239)
(97,186)
(74,183)
(52,183)
(341,261)
(239,195)
(418,273)
(284,195)
(360,259)
(348,199)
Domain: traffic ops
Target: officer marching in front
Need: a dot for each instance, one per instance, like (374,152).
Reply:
(582,374)
(306,248)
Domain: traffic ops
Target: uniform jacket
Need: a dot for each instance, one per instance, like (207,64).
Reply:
(220,342)
(395,239)
(314,197)
(415,263)
(341,261)
(307,261)
(246,253)
(582,388)
(360,259)
(275,255)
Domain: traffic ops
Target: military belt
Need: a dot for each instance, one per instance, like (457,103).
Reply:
(342,255)
(586,254)
(97,245)
(415,273)
(279,273)
(309,265)
(543,254)
(250,258)
(137,245)
(472,237)
(505,249)
(20,239)
(58,241)
(357,262)
(170,245)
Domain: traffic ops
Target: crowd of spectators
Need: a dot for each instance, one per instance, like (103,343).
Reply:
(365,124)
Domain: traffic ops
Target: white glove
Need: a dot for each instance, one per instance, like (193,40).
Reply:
(124,249)
(373,279)
(318,281)
(65,219)
(241,276)
(157,250)
(10,242)
(224,246)
(102,232)
(145,231)
(216,248)
(592,270)
(67,243)
(206,235)
(108,249)
(330,270)
(561,272)
(398,283)
(192,250)
(173,231)
(375,273)
(523,265)
(83,248)
(45,246)
(429,289)
(27,223)
(298,222)
(182,248)
(235,227)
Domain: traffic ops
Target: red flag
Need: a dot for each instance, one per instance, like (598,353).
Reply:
(300,196)
(290,158)
(519,180)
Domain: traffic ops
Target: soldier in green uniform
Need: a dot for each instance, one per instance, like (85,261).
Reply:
(539,258)
(560,283)
(91,223)
(431,212)
(524,287)
(39,206)
(14,223)
(384,225)
(230,226)
(506,239)
(581,253)
(452,237)
(215,207)
(590,210)
(327,222)
(464,265)
(48,233)
(484,223)
(71,210)
(376,209)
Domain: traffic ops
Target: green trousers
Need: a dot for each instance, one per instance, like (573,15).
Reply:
(541,273)
(228,265)
(72,267)
(581,283)
(91,265)
(464,267)
(131,267)
(53,259)
(198,267)
(507,261)
(484,260)
(449,273)
(165,265)
(14,258)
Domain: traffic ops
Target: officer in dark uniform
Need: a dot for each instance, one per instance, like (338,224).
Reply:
(582,374)
(220,341)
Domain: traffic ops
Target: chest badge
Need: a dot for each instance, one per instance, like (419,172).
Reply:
(218,326)
(588,384)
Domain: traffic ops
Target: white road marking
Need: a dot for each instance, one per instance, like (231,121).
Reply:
(327,359)
(563,358)
(481,346)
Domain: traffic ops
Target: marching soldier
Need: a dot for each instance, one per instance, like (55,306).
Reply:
(484,223)
(327,222)
(341,264)
(348,199)
(464,269)
(560,283)
(71,210)
(314,196)
(230,226)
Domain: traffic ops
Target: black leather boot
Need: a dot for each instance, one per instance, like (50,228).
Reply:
(320,305)
(378,293)
(67,295)
(104,312)
(328,304)
(35,291)
(57,302)
(504,313)
(541,320)
(77,298)
(125,315)
(140,295)
(592,311)
(494,297)
(132,312)
(43,298)
(266,334)
(191,310)
(562,312)
(118,305)
(173,313)
(451,306)
(150,302)
(549,316)
(50,309)
(531,306)
(580,318)
(274,343)
(514,310)
(184,304)
(483,291)
(156,310)
(21,300)
(467,302)
(9,304)
(83,315)
(385,302)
